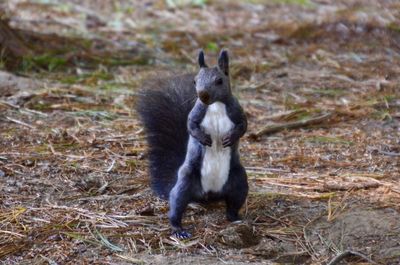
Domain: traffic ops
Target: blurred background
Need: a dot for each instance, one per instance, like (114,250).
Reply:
(318,79)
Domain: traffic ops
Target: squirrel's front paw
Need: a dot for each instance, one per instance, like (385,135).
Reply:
(227,140)
(206,140)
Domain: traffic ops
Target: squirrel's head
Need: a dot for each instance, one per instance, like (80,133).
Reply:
(212,83)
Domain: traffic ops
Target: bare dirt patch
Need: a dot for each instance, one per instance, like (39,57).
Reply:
(375,232)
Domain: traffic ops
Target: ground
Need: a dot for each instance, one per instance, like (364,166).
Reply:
(73,170)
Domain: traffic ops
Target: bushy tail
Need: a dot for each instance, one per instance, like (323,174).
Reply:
(164,106)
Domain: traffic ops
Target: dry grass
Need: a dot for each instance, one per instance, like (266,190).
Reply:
(73,170)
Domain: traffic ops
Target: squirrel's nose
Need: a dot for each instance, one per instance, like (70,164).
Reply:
(204,97)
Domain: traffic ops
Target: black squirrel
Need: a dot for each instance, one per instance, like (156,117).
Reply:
(193,125)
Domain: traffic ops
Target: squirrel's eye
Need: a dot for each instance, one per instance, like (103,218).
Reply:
(219,81)
(194,81)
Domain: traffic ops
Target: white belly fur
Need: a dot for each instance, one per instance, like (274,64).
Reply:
(216,161)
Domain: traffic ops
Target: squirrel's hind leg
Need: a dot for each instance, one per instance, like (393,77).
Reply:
(236,192)
(179,198)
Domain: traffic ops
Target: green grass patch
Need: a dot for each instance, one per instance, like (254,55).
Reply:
(212,46)
(91,78)
(57,147)
(98,240)
(49,62)
(41,106)
(390,98)
(394,27)
(181,3)
(302,115)
(105,242)
(132,164)
(66,146)
(81,238)
(140,60)
(382,115)
(116,86)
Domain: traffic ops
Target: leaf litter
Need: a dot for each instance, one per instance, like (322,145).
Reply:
(74,181)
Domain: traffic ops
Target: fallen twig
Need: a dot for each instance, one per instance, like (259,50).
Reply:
(107,197)
(111,166)
(291,125)
(386,153)
(11,233)
(351,183)
(10,105)
(131,259)
(21,123)
(348,253)
(285,115)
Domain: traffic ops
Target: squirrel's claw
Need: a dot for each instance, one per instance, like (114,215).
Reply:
(206,140)
(181,234)
(227,141)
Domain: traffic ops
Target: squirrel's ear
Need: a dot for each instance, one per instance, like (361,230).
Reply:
(202,62)
(223,61)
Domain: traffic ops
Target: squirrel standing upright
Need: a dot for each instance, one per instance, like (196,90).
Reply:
(193,125)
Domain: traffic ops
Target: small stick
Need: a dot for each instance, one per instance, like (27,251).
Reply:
(292,125)
(11,233)
(20,122)
(187,56)
(107,197)
(388,153)
(111,166)
(8,104)
(348,253)
(284,114)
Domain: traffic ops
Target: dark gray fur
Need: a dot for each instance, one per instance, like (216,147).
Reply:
(176,171)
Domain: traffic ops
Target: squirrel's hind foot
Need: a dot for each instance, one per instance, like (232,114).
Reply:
(233,216)
(181,234)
